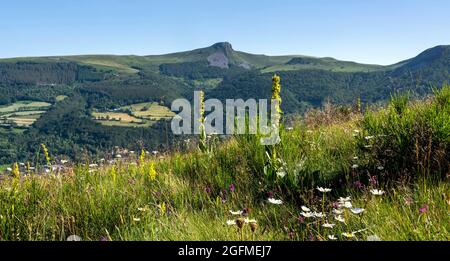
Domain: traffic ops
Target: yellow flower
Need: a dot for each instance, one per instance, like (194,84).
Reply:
(142,157)
(47,157)
(152,171)
(15,170)
(163,209)
(276,89)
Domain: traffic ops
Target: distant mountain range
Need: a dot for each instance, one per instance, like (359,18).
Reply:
(108,82)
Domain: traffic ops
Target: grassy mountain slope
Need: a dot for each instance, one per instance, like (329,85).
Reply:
(189,196)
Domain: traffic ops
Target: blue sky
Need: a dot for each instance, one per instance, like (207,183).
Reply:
(379,31)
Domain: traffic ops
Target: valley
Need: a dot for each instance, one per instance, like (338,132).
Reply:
(72,101)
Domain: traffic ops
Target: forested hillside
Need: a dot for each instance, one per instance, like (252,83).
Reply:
(78,86)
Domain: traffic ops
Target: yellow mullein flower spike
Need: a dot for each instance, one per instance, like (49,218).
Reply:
(142,157)
(47,156)
(152,172)
(276,90)
(163,209)
(15,170)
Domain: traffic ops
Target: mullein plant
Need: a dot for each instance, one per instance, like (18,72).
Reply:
(358,105)
(141,158)
(15,170)
(47,156)
(274,164)
(202,138)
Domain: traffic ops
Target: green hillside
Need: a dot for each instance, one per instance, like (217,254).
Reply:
(104,83)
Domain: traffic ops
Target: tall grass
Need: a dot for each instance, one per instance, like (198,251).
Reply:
(410,138)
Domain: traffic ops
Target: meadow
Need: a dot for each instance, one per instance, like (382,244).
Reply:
(341,175)
(22,113)
(134,115)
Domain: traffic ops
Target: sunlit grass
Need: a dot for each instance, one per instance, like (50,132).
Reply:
(189,196)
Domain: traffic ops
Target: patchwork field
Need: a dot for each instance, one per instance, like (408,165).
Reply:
(23,106)
(22,113)
(134,115)
(149,110)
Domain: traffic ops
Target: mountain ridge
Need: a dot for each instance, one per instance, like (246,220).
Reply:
(267,63)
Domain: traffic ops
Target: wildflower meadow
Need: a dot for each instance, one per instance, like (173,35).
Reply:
(338,174)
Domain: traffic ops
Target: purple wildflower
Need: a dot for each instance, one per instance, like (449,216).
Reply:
(358,184)
(232,187)
(373,180)
(423,209)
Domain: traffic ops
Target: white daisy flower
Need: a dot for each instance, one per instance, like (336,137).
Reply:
(231,222)
(318,214)
(347,199)
(357,211)
(327,225)
(338,212)
(136,219)
(275,201)
(377,192)
(380,168)
(323,190)
(236,213)
(346,204)
(332,237)
(369,137)
(355,166)
(250,221)
(307,214)
(306,209)
(340,219)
